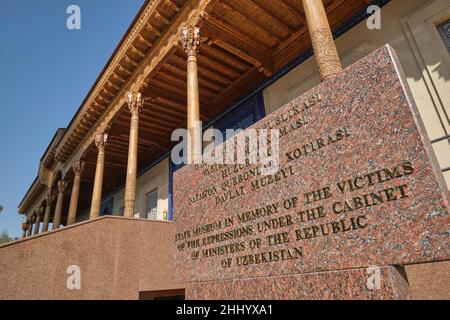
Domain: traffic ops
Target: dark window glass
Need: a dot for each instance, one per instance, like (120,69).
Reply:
(151,205)
(444,30)
(107,207)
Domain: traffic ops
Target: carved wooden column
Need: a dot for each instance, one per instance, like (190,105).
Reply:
(190,39)
(24,230)
(38,221)
(322,39)
(135,103)
(101,140)
(77,167)
(30,225)
(48,201)
(59,204)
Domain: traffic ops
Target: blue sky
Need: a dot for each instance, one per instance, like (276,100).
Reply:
(46,72)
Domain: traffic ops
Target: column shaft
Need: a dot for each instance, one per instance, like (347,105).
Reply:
(30,226)
(130,188)
(37,223)
(100,141)
(193,118)
(58,209)
(24,230)
(72,215)
(190,39)
(47,214)
(322,39)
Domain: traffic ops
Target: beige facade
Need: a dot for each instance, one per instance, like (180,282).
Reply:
(157,178)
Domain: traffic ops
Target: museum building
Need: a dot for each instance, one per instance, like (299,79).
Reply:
(103,195)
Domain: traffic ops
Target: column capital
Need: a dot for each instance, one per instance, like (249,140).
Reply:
(49,198)
(78,167)
(190,40)
(101,140)
(40,212)
(134,101)
(62,186)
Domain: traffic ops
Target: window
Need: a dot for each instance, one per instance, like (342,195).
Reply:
(107,207)
(177,294)
(246,114)
(151,208)
(444,30)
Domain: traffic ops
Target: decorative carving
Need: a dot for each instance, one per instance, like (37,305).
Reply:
(49,199)
(40,213)
(101,140)
(203,17)
(62,185)
(325,52)
(135,101)
(172,5)
(190,40)
(78,167)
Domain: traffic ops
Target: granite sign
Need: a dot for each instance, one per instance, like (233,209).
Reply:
(358,186)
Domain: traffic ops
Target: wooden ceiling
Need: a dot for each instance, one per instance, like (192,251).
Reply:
(244,42)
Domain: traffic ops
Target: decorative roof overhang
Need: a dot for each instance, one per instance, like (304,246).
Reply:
(44,178)
(151,36)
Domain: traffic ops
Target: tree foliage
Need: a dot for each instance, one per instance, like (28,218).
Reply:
(4,237)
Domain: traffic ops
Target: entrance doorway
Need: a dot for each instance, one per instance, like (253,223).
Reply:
(176,294)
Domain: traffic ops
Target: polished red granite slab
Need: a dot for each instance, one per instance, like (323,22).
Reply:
(363,127)
(354,284)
